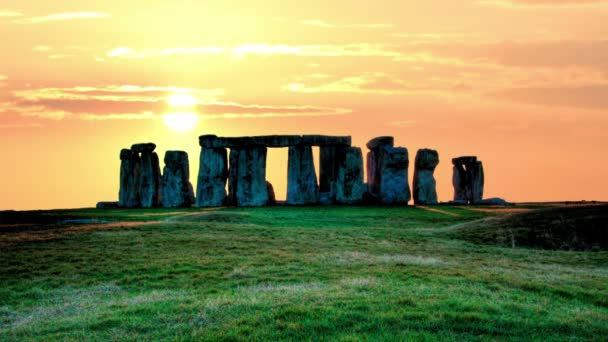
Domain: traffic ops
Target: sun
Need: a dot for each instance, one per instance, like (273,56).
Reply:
(181,120)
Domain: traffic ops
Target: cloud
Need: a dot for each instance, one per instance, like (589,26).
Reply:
(65,16)
(323,24)
(584,97)
(3,77)
(141,103)
(6,13)
(376,83)
(402,123)
(245,50)
(42,48)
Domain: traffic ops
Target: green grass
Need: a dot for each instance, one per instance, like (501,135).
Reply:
(312,273)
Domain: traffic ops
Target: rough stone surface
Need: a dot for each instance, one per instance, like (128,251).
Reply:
(212,176)
(272,199)
(176,187)
(388,175)
(326,140)
(494,201)
(468,179)
(349,186)
(143,147)
(425,187)
(302,185)
(247,177)
(331,157)
(149,180)
(130,166)
(380,142)
(107,205)
(212,141)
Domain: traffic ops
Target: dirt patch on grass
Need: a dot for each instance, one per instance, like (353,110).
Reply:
(55,232)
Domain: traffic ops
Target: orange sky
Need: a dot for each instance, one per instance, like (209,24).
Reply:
(523,84)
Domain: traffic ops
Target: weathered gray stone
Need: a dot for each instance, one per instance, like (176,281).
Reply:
(176,187)
(331,157)
(478,182)
(212,141)
(143,147)
(149,180)
(212,176)
(326,140)
(349,186)
(380,142)
(494,201)
(272,199)
(107,205)
(247,177)
(302,185)
(388,175)
(425,188)
(468,179)
(130,168)
(325,198)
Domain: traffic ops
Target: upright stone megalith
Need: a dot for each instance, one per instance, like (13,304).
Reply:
(387,170)
(349,186)
(247,177)
(176,187)
(468,179)
(212,176)
(128,195)
(425,186)
(149,177)
(302,187)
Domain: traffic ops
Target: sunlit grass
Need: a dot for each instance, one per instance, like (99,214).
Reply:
(289,273)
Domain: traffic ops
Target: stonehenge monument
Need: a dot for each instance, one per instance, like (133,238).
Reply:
(468,180)
(425,191)
(239,163)
(139,177)
(176,188)
(387,172)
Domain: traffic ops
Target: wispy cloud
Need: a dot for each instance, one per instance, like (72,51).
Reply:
(324,24)
(65,16)
(42,48)
(245,50)
(6,13)
(141,103)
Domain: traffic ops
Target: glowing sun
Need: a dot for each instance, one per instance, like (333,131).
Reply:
(182,120)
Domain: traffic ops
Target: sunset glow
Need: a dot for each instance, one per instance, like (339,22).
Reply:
(522,84)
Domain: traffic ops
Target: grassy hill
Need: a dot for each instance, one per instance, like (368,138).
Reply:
(314,273)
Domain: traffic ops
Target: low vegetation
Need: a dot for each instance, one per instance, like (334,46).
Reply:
(314,273)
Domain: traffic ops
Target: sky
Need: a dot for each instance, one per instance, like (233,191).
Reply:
(522,84)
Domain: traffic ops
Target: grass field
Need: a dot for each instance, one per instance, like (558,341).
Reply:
(312,273)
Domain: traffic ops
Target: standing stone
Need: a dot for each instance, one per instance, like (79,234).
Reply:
(478,183)
(331,157)
(302,185)
(130,164)
(149,177)
(387,168)
(349,185)
(212,176)
(176,188)
(425,188)
(468,179)
(247,177)
(272,199)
